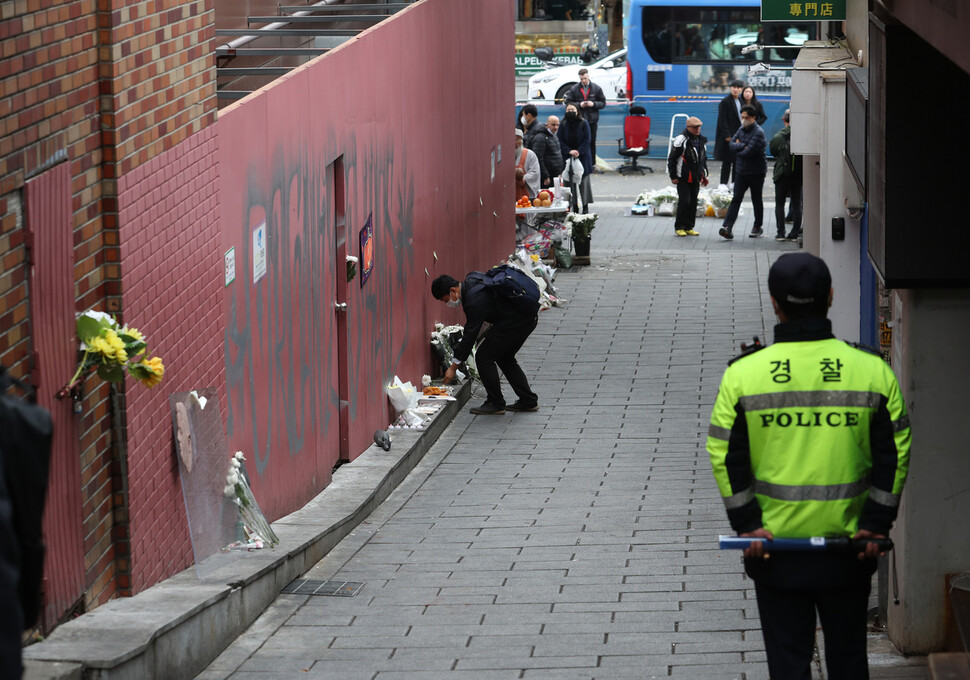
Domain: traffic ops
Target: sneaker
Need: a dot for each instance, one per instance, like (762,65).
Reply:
(519,406)
(791,237)
(681,232)
(726,233)
(691,232)
(756,232)
(487,409)
(781,237)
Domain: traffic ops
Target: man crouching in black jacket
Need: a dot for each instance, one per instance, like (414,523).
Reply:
(511,322)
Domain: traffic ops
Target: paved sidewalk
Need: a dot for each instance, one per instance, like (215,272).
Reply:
(579,541)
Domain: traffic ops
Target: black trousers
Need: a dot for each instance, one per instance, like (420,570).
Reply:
(741,184)
(727,165)
(592,139)
(788,627)
(498,350)
(686,204)
(785,188)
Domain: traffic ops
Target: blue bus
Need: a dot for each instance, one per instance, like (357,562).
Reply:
(683,54)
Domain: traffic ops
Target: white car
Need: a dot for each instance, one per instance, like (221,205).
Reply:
(608,73)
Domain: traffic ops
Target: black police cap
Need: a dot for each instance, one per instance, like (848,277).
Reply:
(800,281)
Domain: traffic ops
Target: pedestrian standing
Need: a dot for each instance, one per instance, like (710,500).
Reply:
(589,97)
(574,139)
(787,175)
(687,167)
(545,145)
(511,321)
(728,120)
(751,167)
(749,98)
(810,437)
(529,123)
(527,171)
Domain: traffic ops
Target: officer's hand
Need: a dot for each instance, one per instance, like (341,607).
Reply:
(450,374)
(704,181)
(673,181)
(757,549)
(872,550)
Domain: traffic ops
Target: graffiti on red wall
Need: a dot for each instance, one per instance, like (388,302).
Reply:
(280,344)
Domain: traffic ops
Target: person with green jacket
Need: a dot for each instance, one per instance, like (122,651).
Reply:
(788,182)
(809,437)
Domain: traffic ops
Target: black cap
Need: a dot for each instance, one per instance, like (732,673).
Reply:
(800,284)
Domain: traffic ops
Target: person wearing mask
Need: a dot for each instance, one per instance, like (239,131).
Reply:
(687,167)
(511,320)
(589,98)
(748,145)
(788,182)
(728,121)
(529,123)
(749,98)
(574,143)
(527,173)
(545,145)
(810,437)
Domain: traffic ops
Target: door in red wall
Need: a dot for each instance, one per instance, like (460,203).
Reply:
(335,177)
(50,228)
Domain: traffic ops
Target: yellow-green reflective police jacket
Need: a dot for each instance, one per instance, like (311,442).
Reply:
(809,437)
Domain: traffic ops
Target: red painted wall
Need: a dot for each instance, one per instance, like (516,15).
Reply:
(414,108)
(172,285)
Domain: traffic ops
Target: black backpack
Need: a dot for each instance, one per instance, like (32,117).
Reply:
(505,281)
(25,451)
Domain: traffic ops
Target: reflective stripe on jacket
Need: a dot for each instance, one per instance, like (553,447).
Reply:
(810,438)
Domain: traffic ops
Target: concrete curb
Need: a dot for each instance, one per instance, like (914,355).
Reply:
(177,627)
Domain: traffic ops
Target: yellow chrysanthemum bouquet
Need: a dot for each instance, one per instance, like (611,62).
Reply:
(110,349)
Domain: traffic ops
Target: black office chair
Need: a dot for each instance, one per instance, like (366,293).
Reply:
(636,140)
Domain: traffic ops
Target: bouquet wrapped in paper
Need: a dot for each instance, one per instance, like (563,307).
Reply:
(257,529)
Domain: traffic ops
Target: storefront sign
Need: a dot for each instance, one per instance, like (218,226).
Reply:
(527,64)
(799,10)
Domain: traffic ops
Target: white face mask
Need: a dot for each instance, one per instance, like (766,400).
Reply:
(747,122)
(522,119)
(454,303)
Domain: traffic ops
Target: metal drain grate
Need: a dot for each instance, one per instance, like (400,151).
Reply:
(305,586)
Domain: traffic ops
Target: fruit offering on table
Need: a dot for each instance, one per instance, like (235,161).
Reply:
(523,202)
(545,198)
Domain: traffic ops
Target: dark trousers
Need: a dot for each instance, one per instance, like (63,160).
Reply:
(498,350)
(592,140)
(788,627)
(12,619)
(686,204)
(741,184)
(727,165)
(785,188)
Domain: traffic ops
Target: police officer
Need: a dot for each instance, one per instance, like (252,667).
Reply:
(810,437)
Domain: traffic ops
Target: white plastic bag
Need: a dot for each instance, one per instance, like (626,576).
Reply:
(574,166)
(404,399)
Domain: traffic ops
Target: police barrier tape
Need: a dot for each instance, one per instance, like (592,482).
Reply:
(661,111)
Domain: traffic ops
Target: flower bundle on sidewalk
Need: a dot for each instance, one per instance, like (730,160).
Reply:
(258,530)
(443,338)
(111,349)
(579,226)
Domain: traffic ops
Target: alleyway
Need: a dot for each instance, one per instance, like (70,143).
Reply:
(580,541)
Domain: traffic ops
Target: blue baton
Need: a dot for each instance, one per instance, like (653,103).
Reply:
(814,544)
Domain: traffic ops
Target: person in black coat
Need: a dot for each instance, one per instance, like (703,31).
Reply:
(589,98)
(574,139)
(529,123)
(749,98)
(687,167)
(749,145)
(512,321)
(728,122)
(545,145)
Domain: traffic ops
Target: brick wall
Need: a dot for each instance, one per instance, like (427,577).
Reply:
(172,259)
(110,84)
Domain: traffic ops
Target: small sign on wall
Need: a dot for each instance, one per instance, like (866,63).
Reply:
(230,265)
(366,249)
(259,251)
